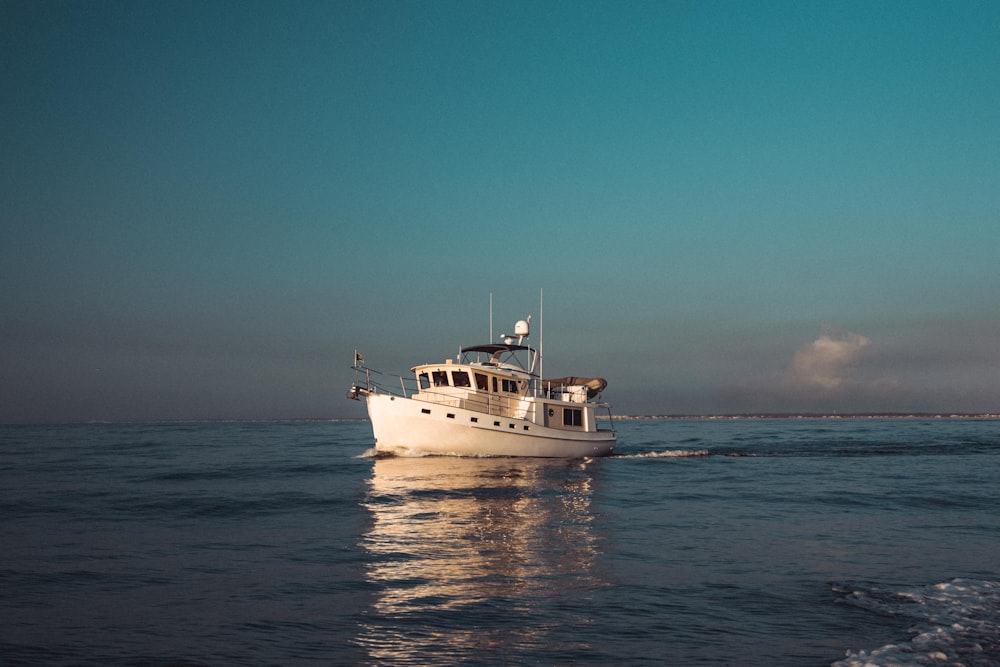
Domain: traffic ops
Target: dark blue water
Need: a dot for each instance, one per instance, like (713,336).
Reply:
(782,542)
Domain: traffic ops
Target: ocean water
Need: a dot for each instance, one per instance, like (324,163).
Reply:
(763,542)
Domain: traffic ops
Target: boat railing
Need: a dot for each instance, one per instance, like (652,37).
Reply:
(492,404)
(610,419)
(382,383)
(370,381)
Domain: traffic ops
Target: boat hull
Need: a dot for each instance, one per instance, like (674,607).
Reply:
(408,427)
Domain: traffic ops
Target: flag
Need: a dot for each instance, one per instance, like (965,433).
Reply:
(358,359)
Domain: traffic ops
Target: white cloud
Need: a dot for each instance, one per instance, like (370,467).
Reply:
(912,366)
(828,361)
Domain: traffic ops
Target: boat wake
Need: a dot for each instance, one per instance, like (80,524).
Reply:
(667,454)
(955,623)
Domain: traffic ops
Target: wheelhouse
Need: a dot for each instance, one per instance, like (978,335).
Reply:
(502,380)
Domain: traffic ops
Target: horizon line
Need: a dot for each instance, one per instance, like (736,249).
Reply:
(651,417)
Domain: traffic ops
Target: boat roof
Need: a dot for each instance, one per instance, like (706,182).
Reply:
(494,348)
(506,351)
(594,386)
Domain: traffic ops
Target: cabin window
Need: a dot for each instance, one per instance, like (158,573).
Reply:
(460,379)
(495,385)
(482,383)
(440,378)
(510,386)
(425,381)
(572,417)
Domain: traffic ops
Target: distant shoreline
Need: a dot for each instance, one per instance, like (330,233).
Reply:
(797,415)
(760,416)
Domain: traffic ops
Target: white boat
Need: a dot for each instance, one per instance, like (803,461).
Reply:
(490,401)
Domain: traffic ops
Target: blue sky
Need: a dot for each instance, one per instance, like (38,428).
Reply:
(730,206)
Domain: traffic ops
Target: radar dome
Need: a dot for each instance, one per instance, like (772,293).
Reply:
(521,328)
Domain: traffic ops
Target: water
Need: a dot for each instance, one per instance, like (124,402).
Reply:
(783,542)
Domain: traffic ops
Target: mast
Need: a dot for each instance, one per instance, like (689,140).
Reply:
(541,336)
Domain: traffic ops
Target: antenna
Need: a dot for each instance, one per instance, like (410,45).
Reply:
(491,318)
(541,334)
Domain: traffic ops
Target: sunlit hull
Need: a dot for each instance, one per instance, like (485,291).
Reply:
(405,426)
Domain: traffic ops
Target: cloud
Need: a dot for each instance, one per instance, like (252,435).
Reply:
(927,365)
(836,371)
(828,361)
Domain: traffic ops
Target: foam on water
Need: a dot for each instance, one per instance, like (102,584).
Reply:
(667,454)
(413,453)
(955,623)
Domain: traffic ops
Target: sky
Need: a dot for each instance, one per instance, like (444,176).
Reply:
(719,207)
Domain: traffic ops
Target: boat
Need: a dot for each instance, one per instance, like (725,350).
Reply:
(490,400)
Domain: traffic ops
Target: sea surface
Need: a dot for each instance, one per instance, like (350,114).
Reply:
(702,542)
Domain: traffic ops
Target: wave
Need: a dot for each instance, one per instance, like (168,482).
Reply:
(667,454)
(955,622)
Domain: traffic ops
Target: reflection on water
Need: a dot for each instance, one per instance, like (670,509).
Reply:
(471,555)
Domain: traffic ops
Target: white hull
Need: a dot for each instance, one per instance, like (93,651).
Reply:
(405,426)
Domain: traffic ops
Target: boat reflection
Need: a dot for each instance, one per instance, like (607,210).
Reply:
(465,554)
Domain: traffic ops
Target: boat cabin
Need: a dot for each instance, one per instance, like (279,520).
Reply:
(500,384)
